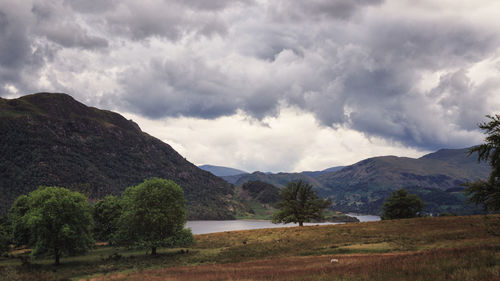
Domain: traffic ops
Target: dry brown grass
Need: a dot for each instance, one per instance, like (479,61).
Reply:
(447,248)
(450,248)
(478,263)
(372,237)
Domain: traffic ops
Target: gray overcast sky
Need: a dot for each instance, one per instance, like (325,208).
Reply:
(282,85)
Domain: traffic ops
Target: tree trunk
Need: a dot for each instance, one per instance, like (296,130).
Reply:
(57,255)
(153,251)
(301,223)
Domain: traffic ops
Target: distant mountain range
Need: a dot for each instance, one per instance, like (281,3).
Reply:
(279,179)
(363,187)
(52,139)
(239,177)
(439,177)
(317,173)
(221,171)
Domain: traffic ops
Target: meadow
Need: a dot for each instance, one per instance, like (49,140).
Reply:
(444,248)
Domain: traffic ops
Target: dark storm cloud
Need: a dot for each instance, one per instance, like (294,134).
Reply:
(458,94)
(31,34)
(174,88)
(14,44)
(187,86)
(54,22)
(369,81)
(366,81)
(429,44)
(294,10)
(70,35)
(169,19)
(20,59)
(360,64)
(213,5)
(91,6)
(384,101)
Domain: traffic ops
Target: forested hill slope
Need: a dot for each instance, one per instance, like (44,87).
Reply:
(51,139)
(437,177)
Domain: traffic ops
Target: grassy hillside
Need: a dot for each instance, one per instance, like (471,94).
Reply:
(51,139)
(445,248)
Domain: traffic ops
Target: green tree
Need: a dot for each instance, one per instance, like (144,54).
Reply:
(154,215)
(20,230)
(4,235)
(4,240)
(487,192)
(53,220)
(106,213)
(299,203)
(402,205)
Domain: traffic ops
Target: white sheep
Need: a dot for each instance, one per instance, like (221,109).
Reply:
(334,261)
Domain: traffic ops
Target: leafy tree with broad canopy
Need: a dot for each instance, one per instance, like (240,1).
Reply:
(106,213)
(4,240)
(20,231)
(4,235)
(487,192)
(401,205)
(154,215)
(299,203)
(53,220)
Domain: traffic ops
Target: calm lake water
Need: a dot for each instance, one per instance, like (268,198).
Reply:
(364,218)
(202,227)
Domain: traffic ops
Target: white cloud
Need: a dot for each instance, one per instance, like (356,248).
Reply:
(290,142)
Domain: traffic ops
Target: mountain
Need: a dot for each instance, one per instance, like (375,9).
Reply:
(333,169)
(232,179)
(436,177)
(279,179)
(317,173)
(363,187)
(257,200)
(221,171)
(460,158)
(52,139)
(261,192)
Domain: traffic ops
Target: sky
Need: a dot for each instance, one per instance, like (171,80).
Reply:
(281,85)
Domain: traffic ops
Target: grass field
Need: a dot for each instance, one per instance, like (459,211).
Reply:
(445,248)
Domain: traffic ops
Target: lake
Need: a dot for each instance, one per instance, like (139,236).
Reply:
(364,218)
(202,227)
